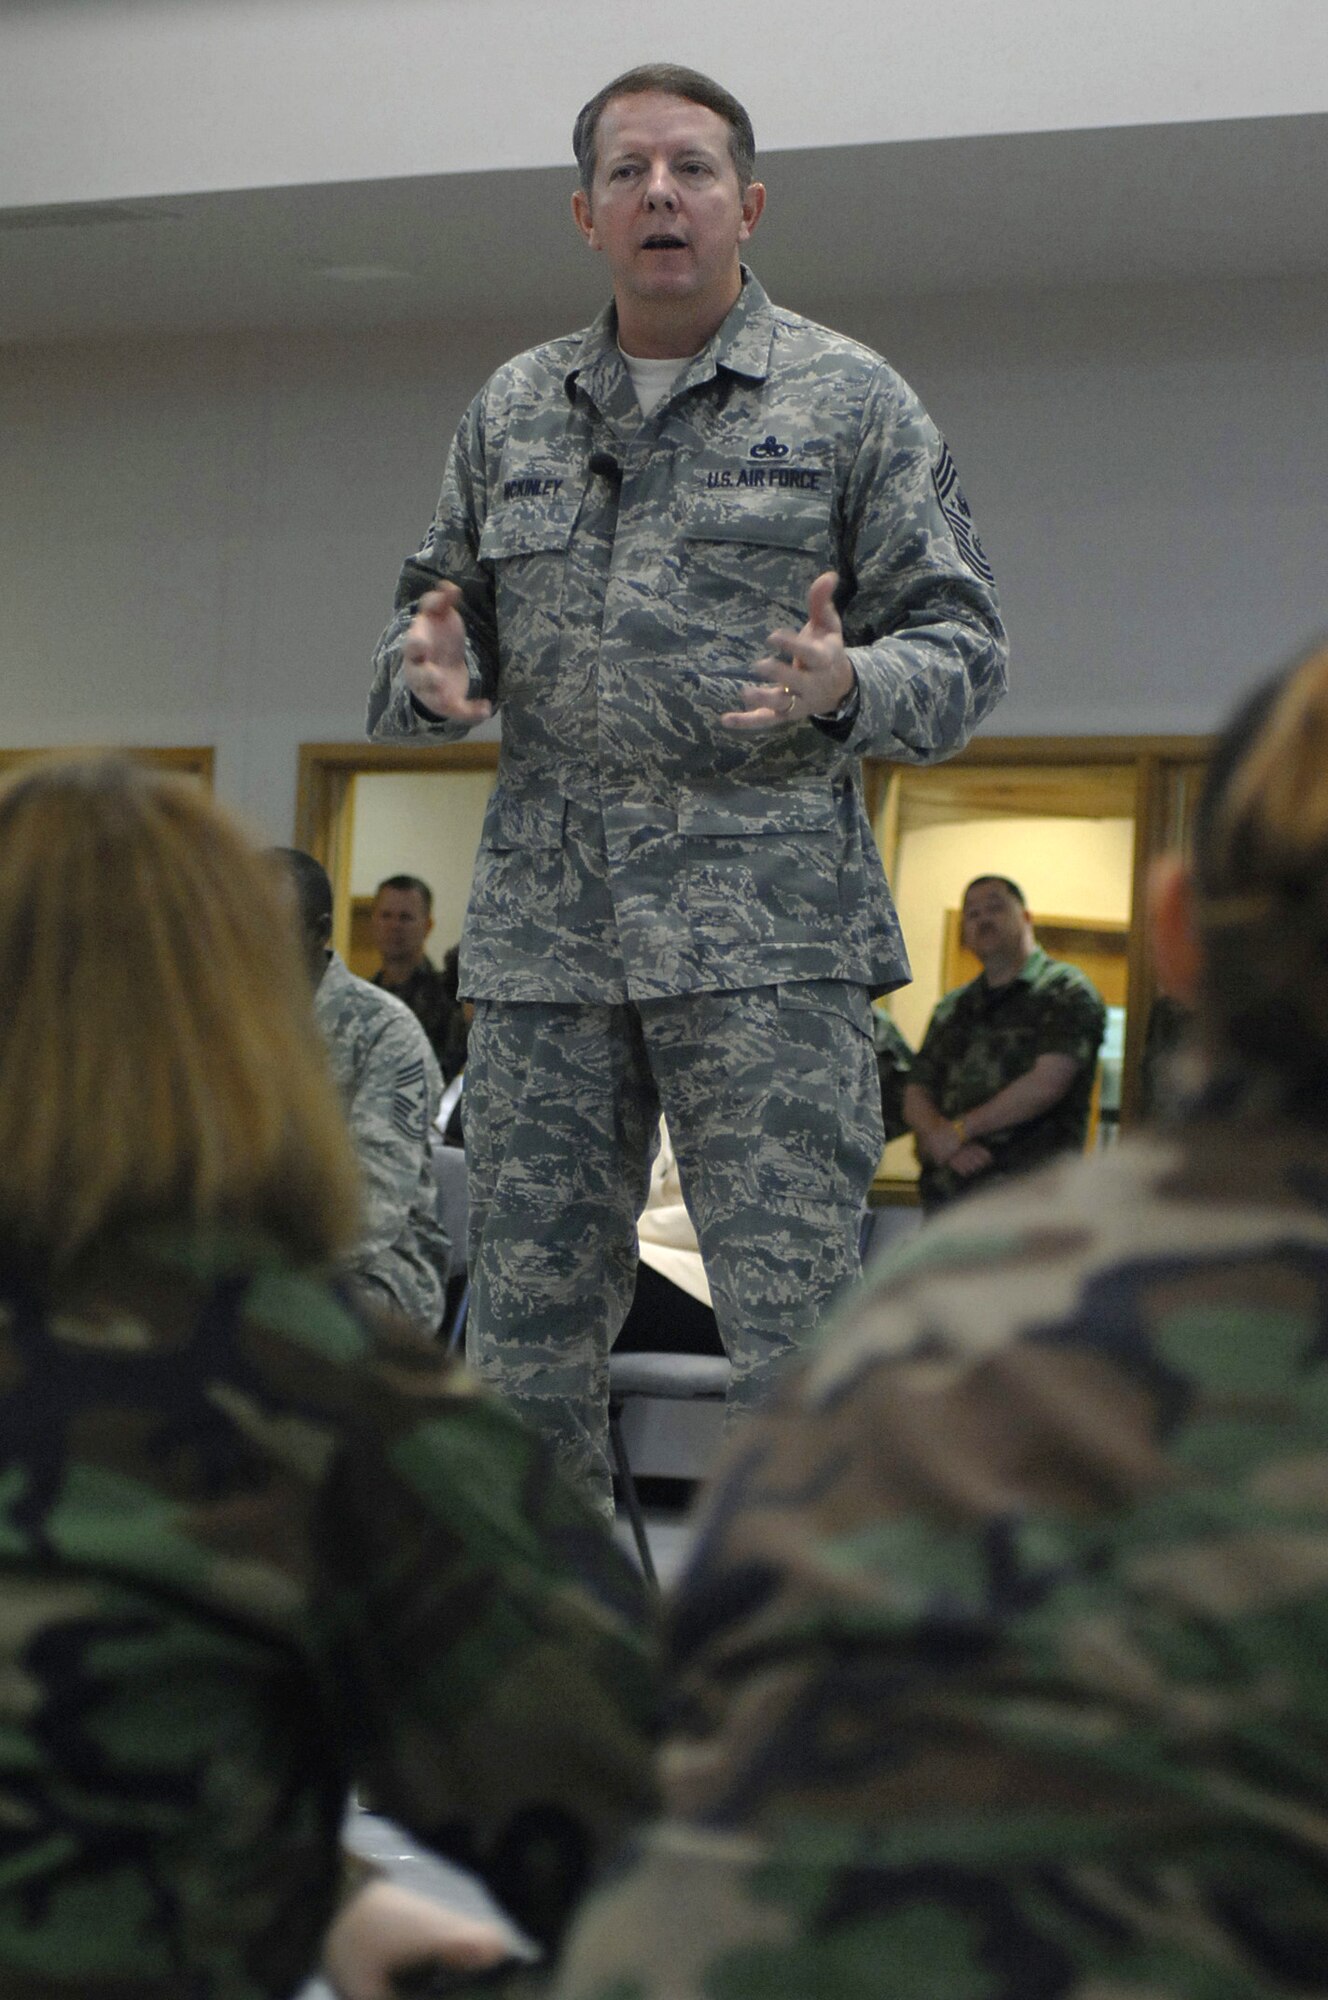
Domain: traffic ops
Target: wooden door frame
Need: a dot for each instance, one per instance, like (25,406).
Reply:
(325,800)
(323,816)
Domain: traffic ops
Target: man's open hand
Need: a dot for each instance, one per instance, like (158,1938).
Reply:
(804,673)
(433,658)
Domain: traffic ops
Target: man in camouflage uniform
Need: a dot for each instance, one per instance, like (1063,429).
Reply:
(391,1089)
(677,899)
(1004,1077)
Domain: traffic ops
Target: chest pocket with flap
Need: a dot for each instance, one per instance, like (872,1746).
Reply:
(525,539)
(757,549)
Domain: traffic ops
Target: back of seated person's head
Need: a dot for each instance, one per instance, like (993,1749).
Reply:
(309,884)
(157,1053)
(1260,896)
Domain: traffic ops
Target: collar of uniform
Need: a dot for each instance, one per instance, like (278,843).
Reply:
(741,344)
(331,990)
(424,969)
(1025,976)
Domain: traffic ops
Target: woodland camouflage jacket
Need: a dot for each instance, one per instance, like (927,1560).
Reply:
(252,1556)
(1001,1670)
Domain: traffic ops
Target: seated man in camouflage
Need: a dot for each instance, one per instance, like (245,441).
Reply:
(1004,1077)
(390,1089)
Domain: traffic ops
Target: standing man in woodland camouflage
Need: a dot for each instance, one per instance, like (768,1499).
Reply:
(703,555)
(1004,1077)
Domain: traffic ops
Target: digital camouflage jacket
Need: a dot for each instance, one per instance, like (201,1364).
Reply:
(621,576)
(251,1557)
(1001,1668)
(390,1089)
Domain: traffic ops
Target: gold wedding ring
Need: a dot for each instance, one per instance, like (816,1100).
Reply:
(792,698)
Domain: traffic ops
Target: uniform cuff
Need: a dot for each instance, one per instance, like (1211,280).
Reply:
(839,722)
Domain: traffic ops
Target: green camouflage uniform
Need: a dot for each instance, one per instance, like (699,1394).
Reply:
(252,1556)
(391,1089)
(620,576)
(431,996)
(894,1060)
(982,1037)
(1000,1669)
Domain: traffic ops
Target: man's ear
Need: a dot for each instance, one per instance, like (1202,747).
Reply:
(1177,952)
(753,201)
(583,218)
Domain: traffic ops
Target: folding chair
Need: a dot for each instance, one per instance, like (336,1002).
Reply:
(453,1209)
(660,1377)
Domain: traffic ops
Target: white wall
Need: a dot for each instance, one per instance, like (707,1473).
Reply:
(199,538)
(149,97)
(1147,468)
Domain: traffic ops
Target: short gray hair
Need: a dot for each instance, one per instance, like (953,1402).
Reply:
(673,80)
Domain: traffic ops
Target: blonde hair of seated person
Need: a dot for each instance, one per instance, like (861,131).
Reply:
(157,1052)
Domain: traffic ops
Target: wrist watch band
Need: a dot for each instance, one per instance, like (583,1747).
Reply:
(848,706)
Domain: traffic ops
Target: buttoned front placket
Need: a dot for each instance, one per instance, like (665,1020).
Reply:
(640,675)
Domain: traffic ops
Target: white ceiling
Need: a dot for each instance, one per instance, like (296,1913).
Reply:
(1121,207)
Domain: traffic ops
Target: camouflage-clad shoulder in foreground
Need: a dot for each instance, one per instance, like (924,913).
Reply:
(1002,1665)
(250,1558)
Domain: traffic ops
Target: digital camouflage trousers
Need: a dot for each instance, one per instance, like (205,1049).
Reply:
(773,1105)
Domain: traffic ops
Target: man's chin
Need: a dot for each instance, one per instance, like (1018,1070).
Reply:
(661,283)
